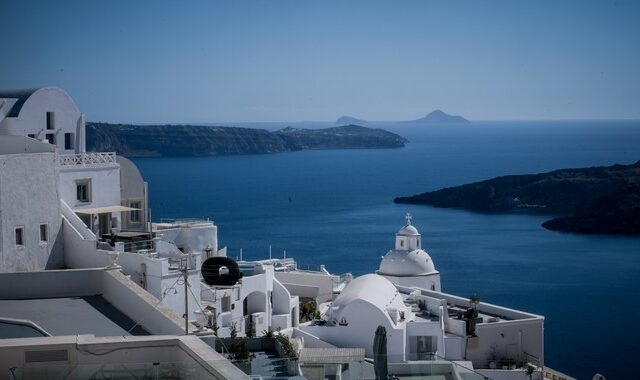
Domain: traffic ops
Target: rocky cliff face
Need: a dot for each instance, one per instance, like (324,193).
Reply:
(193,140)
(593,200)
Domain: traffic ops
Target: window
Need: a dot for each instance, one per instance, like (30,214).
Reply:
(51,137)
(44,237)
(135,215)
(226,304)
(20,236)
(51,120)
(68,141)
(83,190)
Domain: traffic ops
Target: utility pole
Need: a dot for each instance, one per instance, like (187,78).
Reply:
(185,274)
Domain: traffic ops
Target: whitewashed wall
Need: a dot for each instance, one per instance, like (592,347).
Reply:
(28,198)
(32,118)
(105,186)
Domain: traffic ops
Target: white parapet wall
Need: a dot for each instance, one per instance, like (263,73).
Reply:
(139,305)
(111,284)
(316,285)
(91,357)
(155,275)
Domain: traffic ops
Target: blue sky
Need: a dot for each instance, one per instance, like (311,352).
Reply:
(197,62)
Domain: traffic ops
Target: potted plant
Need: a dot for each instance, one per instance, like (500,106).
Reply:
(317,319)
(529,370)
(288,352)
(240,356)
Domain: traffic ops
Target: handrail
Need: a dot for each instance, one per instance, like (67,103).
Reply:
(134,246)
(76,222)
(89,160)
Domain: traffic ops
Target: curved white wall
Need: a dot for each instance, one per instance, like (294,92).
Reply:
(32,118)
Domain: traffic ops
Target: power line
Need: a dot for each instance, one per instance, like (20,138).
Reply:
(155,306)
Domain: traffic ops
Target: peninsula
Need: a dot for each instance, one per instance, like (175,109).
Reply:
(195,140)
(597,200)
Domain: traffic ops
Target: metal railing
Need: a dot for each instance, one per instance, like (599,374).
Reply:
(135,246)
(428,364)
(87,160)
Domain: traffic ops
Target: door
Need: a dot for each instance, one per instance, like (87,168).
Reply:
(104,222)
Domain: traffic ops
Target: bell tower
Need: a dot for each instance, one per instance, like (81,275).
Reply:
(408,238)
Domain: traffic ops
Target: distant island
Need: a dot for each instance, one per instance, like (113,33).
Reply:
(194,140)
(439,117)
(345,120)
(597,200)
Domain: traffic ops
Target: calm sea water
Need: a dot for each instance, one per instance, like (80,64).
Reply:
(335,208)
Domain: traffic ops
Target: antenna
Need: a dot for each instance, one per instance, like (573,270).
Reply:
(240,254)
(269,251)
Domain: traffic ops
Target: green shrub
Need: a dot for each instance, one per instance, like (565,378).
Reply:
(289,351)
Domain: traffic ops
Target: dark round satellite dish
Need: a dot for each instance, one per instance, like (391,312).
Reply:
(220,271)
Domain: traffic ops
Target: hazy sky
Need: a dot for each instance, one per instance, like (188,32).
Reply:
(180,61)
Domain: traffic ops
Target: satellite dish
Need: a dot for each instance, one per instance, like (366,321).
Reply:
(220,271)
(598,376)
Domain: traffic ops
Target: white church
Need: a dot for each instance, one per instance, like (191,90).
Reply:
(408,264)
(425,324)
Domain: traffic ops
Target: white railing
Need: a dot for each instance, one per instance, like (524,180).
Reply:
(76,222)
(88,160)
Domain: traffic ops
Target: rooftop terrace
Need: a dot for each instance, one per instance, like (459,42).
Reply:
(70,316)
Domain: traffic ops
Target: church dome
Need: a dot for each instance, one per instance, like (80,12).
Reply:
(406,263)
(408,230)
(370,288)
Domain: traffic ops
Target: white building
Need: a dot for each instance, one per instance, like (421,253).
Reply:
(30,222)
(78,256)
(62,207)
(256,304)
(424,324)
(44,114)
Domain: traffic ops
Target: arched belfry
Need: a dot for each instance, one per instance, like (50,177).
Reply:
(408,264)
(408,237)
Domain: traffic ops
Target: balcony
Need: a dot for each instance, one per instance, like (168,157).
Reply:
(87,160)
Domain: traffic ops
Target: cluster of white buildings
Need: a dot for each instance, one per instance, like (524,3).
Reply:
(80,222)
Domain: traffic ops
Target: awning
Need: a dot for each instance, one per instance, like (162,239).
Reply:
(103,210)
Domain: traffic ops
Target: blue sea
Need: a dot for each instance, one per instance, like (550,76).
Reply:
(335,207)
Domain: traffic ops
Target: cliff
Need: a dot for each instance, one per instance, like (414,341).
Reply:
(345,137)
(590,200)
(194,140)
